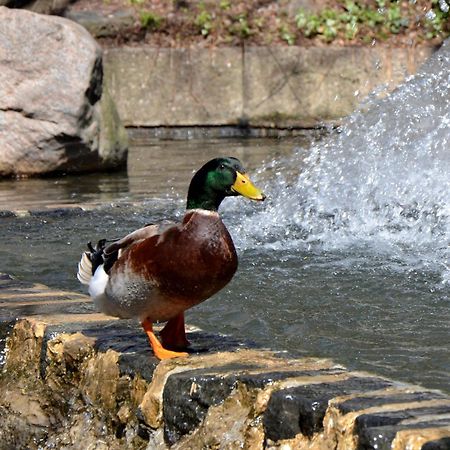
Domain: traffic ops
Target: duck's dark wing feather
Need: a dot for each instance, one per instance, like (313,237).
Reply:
(112,251)
(107,251)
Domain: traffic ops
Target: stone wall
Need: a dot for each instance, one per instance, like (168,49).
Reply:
(76,379)
(257,86)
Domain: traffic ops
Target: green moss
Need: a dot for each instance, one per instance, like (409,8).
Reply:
(150,20)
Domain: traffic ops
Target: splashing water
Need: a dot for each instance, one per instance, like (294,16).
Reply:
(382,183)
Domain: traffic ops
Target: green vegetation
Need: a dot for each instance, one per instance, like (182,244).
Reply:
(286,34)
(241,27)
(204,22)
(258,22)
(438,20)
(150,20)
(367,22)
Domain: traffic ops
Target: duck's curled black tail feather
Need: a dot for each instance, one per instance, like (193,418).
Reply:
(95,254)
(95,257)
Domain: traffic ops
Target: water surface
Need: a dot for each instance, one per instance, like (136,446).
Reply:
(360,309)
(348,258)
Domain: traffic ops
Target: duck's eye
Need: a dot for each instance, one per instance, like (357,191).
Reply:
(222,167)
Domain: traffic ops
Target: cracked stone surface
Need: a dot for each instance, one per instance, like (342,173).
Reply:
(258,86)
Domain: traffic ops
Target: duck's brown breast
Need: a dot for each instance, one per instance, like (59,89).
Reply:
(191,261)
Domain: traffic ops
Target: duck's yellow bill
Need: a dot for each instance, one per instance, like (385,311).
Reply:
(245,187)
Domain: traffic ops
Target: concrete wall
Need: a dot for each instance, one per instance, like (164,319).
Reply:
(259,86)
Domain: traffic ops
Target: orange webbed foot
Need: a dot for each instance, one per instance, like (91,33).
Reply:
(163,353)
(159,351)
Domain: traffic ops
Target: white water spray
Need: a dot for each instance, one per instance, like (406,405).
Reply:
(382,183)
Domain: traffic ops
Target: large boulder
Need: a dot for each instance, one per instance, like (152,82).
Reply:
(55,115)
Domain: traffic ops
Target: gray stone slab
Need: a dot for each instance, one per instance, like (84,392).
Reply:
(283,87)
(385,418)
(307,86)
(100,24)
(157,86)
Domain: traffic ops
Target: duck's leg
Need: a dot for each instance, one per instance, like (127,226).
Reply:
(173,335)
(159,351)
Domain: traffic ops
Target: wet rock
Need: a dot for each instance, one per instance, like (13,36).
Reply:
(301,409)
(57,212)
(438,444)
(227,425)
(189,395)
(77,380)
(24,348)
(382,438)
(100,380)
(53,114)
(153,404)
(64,353)
(29,310)
(364,402)
(141,363)
(17,431)
(379,429)
(7,214)
(386,418)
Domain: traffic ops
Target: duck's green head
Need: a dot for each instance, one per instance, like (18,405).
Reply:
(217,179)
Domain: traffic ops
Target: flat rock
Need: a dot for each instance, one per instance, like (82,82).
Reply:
(363,402)
(381,437)
(187,406)
(438,444)
(302,409)
(102,25)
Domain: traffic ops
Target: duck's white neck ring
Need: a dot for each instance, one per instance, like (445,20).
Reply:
(205,212)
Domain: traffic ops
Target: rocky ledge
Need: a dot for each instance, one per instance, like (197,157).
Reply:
(72,378)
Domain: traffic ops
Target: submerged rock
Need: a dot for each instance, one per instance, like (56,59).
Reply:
(55,115)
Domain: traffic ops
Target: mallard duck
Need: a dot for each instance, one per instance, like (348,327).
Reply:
(157,272)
